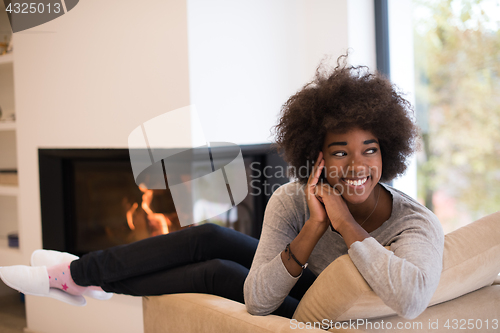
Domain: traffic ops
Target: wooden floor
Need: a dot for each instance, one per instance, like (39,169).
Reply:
(12,314)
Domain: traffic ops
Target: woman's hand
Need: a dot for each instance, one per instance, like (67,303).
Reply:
(335,205)
(316,209)
(313,229)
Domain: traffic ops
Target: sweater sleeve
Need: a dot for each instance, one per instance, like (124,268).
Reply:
(406,277)
(268,282)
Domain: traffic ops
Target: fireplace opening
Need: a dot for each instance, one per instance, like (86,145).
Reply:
(90,200)
(110,209)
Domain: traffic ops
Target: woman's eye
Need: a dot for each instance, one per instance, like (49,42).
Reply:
(343,153)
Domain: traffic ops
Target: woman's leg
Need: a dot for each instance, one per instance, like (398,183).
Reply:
(161,253)
(215,276)
(204,259)
(287,308)
(306,280)
(219,277)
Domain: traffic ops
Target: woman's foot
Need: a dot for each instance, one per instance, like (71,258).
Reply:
(50,276)
(60,278)
(52,259)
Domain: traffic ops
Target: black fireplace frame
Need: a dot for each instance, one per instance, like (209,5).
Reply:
(57,204)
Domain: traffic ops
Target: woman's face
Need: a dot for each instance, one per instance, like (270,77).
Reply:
(353,163)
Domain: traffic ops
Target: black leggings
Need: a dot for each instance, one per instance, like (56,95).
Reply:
(204,259)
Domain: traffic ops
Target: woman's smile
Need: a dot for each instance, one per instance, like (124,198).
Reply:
(356,186)
(356,183)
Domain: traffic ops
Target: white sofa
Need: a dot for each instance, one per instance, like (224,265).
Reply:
(467,298)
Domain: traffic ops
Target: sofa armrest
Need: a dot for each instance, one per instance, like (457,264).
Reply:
(209,313)
(479,307)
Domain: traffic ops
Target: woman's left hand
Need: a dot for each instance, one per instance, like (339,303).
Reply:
(335,206)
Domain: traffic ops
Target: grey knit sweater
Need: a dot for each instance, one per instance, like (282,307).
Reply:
(405,277)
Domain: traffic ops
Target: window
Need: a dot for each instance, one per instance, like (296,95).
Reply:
(457,100)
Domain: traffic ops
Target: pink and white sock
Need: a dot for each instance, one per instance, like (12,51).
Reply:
(60,277)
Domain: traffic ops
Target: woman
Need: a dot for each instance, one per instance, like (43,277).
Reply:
(359,131)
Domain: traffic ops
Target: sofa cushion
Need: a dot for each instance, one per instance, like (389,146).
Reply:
(477,311)
(471,260)
(190,313)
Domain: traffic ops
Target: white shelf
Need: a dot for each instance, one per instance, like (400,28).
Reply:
(10,255)
(9,190)
(6,59)
(8,193)
(7,125)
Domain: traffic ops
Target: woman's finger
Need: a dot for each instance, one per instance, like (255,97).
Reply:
(314,176)
(316,172)
(316,164)
(326,189)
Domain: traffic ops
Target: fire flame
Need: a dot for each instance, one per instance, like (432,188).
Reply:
(158,221)
(159,224)
(130,214)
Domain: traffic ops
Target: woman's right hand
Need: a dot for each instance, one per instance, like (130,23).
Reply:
(316,209)
(314,228)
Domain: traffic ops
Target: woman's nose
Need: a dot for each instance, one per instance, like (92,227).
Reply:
(357,166)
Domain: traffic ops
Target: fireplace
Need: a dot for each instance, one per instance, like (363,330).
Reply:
(90,199)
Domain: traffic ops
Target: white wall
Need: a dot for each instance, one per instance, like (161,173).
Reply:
(361,36)
(87,79)
(247,57)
